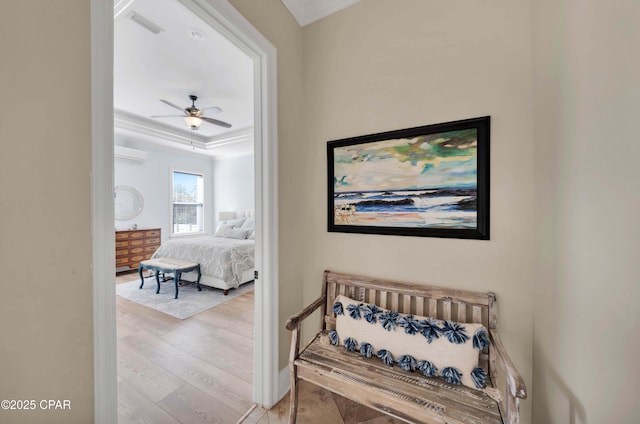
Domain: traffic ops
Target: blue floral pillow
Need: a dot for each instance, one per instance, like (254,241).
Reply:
(415,343)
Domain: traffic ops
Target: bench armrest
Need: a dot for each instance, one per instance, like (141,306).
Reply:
(295,320)
(514,383)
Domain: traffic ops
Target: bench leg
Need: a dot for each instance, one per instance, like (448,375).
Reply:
(293,403)
(157,281)
(140,268)
(177,276)
(198,281)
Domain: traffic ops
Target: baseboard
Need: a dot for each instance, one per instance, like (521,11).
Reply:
(284,382)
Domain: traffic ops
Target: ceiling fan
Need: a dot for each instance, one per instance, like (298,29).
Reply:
(193,116)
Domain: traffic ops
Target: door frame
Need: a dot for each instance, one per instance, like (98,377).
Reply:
(227,20)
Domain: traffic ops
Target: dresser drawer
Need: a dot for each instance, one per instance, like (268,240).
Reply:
(137,258)
(134,246)
(150,249)
(155,241)
(121,236)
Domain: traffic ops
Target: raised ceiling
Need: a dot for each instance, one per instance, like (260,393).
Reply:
(187,56)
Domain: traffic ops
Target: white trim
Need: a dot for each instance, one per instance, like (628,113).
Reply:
(102,209)
(230,23)
(235,27)
(130,122)
(284,382)
(200,174)
(140,126)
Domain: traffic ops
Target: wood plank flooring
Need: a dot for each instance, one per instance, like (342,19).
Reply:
(197,370)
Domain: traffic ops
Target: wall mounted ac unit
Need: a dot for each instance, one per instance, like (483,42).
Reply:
(127,153)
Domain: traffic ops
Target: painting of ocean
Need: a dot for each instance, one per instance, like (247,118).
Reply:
(447,207)
(420,179)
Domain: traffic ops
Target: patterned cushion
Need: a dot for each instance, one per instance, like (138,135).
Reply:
(414,343)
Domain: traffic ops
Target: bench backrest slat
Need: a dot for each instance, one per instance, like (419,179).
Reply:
(438,302)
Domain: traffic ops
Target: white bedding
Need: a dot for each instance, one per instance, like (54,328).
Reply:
(224,259)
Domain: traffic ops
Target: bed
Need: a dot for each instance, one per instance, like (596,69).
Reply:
(227,259)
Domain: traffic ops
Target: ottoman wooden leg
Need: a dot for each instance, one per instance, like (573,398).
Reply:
(198,281)
(177,275)
(140,268)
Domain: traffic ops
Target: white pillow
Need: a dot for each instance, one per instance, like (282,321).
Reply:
(222,230)
(249,224)
(412,342)
(237,233)
(235,223)
(252,235)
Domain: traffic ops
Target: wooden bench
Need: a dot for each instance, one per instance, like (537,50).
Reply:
(407,396)
(169,266)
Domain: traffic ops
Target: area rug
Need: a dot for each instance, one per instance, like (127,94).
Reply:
(190,301)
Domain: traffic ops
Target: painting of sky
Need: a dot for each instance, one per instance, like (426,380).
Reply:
(435,161)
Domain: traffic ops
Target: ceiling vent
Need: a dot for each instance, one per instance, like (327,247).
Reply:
(142,21)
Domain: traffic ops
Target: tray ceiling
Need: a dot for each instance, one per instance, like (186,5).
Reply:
(183,56)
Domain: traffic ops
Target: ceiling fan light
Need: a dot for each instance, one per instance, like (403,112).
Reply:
(193,121)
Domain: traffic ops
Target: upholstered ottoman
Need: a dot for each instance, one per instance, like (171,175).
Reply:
(169,266)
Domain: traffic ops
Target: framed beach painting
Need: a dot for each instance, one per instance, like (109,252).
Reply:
(430,181)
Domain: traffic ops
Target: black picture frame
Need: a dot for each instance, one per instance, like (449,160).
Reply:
(428,181)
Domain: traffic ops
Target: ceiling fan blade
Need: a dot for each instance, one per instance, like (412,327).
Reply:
(215,122)
(173,106)
(212,110)
(167,116)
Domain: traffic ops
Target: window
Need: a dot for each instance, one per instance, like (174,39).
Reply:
(187,212)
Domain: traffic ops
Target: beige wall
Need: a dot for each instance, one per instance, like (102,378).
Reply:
(372,67)
(587,286)
(273,20)
(46,318)
(379,66)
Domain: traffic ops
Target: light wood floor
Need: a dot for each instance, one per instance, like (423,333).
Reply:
(319,406)
(197,370)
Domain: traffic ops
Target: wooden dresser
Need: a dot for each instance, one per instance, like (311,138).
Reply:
(133,246)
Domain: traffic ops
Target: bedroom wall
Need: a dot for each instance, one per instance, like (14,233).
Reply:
(377,66)
(233,184)
(274,21)
(586,291)
(152,178)
(46,316)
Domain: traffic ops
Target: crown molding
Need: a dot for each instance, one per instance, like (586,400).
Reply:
(143,126)
(308,11)
(237,136)
(147,130)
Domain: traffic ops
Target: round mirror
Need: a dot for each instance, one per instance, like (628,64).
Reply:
(128,203)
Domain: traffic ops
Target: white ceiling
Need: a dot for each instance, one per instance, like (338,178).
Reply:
(308,11)
(171,65)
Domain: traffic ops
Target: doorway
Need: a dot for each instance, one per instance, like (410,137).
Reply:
(224,18)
